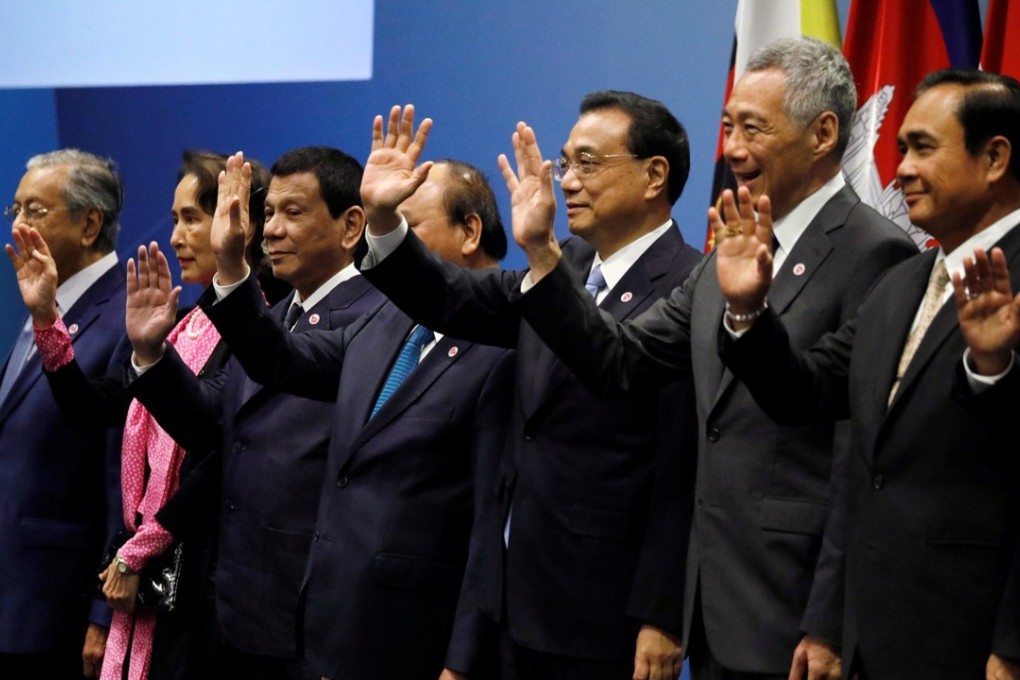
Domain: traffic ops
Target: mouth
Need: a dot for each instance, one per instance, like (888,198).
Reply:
(574,208)
(185,262)
(745,179)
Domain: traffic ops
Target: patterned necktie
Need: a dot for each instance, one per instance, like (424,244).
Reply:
(596,281)
(293,314)
(930,306)
(406,362)
(22,350)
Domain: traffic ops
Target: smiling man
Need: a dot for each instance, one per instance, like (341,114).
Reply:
(764,585)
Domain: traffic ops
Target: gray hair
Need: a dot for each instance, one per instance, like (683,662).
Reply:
(818,79)
(92,183)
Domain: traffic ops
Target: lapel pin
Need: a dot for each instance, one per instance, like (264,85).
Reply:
(799,269)
(313,319)
(72,329)
(452,353)
(627,297)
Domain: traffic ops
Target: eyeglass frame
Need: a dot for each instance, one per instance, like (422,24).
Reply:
(32,215)
(593,159)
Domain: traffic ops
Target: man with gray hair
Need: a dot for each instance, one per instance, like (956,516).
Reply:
(59,485)
(764,595)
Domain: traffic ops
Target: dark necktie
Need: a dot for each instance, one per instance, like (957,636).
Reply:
(596,281)
(22,350)
(406,362)
(293,314)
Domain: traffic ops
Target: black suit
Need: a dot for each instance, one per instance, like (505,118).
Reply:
(598,488)
(932,491)
(265,488)
(391,536)
(762,564)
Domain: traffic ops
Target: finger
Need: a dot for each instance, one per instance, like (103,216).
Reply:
(162,269)
(797,667)
(12,255)
(132,278)
(730,212)
(377,136)
(959,291)
(38,242)
(406,128)
(18,234)
(517,143)
(391,129)
(764,231)
(143,267)
(545,176)
(420,137)
(982,270)
(641,669)
(530,151)
(718,226)
(746,210)
(152,279)
(1000,272)
(508,173)
(763,256)
(421,173)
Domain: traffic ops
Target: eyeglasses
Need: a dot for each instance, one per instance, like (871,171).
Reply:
(585,164)
(31,215)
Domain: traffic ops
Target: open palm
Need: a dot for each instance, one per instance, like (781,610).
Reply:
(36,272)
(151,310)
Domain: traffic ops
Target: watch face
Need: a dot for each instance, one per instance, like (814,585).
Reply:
(122,566)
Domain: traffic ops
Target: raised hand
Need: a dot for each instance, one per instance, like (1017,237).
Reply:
(532,202)
(37,274)
(231,229)
(743,244)
(989,313)
(151,304)
(392,172)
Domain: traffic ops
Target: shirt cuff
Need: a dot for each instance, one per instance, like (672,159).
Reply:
(137,370)
(980,383)
(736,335)
(527,283)
(54,345)
(224,291)
(151,540)
(379,247)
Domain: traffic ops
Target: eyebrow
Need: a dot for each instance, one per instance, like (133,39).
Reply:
(915,136)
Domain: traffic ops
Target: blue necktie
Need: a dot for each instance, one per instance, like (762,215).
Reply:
(595,282)
(405,363)
(21,351)
(294,313)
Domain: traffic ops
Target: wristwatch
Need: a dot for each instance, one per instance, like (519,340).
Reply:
(122,566)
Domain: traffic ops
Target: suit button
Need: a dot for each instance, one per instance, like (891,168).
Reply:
(230,507)
(878,482)
(316,536)
(238,447)
(529,436)
(342,482)
(713,434)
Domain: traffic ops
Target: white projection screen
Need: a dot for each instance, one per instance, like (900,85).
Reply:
(102,43)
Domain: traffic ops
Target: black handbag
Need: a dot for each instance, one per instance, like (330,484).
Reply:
(160,578)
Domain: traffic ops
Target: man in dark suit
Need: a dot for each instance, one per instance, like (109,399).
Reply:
(391,537)
(764,586)
(271,448)
(931,387)
(59,486)
(581,538)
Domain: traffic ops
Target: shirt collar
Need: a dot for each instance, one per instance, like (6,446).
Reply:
(71,290)
(616,265)
(345,274)
(984,239)
(789,228)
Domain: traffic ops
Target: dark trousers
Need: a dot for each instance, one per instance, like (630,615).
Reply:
(238,665)
(520,663)
(49,666)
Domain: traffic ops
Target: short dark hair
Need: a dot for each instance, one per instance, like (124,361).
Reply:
(654,131)
(93,182)
(989,107)
(469,192)
(205,167)
(339,175)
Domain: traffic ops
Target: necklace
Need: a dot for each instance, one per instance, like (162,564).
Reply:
(192,328)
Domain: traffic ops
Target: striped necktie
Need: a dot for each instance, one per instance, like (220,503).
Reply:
(406,362)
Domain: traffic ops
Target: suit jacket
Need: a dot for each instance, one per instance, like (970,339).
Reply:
(59,490)
(598,488)
(391,538)
(263,485)
(762,561)
(932,488)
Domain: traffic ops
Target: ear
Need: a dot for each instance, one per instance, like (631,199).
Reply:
(472,235)
(826,133)
(658,177)
(353,222)
(997,154)
(93,218)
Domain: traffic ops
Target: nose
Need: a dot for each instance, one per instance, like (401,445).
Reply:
(733,146)
(177,235)
(569,181)
(273,227)
(906,169)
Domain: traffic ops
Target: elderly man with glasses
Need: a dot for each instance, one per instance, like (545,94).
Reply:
(59,485)
(580,541)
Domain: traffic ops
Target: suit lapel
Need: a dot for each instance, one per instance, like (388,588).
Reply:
(251,388)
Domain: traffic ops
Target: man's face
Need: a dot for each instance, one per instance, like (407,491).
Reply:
(303,241)
(611,199)
(425,212)
(64,232)
(941,181)
(766,151)
(190,236)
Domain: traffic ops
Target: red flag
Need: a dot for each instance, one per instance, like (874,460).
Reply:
(1002,28)
(891,45)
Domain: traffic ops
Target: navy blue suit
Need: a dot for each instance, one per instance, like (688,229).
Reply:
(264,486)
(391,540)
(59,490)
(599,488)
